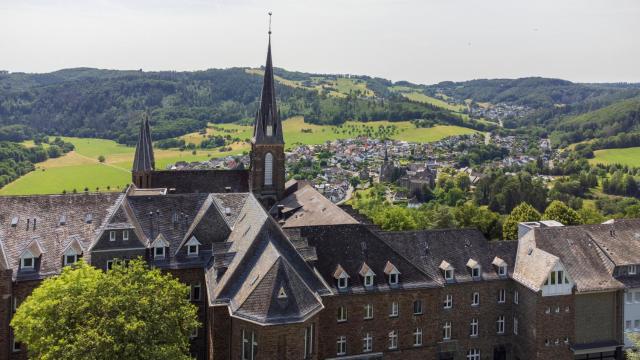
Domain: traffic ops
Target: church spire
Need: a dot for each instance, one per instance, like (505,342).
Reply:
(144,160)
(268,127)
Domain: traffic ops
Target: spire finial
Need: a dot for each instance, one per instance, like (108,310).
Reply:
(270,13)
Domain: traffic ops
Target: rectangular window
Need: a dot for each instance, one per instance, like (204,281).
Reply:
(194,333)
(158,252)
(368,311)
(475,272)
(636,296)
(502,296)
(553,278)
(448,274)
(417,337)
(341,345)
(192,250)
(632,269)
(109,264)
(560,276)
(125,235)
(473,330)
(500,324)
(393,339)
(15,345)
(195,292)
(393,311)
(515,297)
(446,331)
(367,342)
(308,341)
(393,279)
(636,325)
(475,299)
(70,259)
(448,302)
(342,282)
(515,325)
(26,263)
(502,270)
(342,314)
(629,297)
(249,345)
(473,354)
(112,235)
(368,280)
(417,307)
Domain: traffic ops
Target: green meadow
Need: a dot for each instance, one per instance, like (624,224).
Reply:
(624,156)
(80,169)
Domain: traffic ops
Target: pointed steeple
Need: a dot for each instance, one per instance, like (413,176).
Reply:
(144,160)
(268,127)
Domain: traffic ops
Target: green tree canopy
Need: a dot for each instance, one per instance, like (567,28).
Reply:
(129,312)
(521,213)
(558,211)
(481,218)
(395,218)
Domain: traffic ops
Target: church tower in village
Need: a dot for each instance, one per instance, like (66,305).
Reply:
(267,175)
(143,162)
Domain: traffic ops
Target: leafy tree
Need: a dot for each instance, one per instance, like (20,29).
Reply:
(481,218)
(521,213)
(101,158)
(590,215)
(129,312)
(395,218)
(562,213)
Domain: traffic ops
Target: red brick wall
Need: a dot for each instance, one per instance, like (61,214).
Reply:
(5,312)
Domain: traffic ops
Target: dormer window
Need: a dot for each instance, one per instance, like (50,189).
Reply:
(392,272)
(500,265)
(158,252)
(475,269)
(27,260)
(341,277)
(367,274)
(112,235)
(70,257)
(159,246)
(447,271)
(193,247)
(125,235)
(631,270)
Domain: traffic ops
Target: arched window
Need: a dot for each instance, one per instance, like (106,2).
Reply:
(268,169)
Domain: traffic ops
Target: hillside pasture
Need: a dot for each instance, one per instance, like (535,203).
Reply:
(624,156)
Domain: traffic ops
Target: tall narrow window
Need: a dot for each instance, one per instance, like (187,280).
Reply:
(249,345)
(367,342)
(448,302)
(500,324)
(515,325)
(368,311)
(473,331)
(475,299)
(446,331)
(502,296)
(268,169)
(417,337)
(473,354)
(417,307)
(393,312)
(342,314)
(308,341)
(341,345)
(393,339)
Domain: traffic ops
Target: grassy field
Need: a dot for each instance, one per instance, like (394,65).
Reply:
(416,96)
(626,156)
(81,169)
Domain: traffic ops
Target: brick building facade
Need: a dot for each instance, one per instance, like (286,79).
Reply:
(303,279)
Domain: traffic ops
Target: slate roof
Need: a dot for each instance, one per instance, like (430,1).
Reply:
(429,248)
(201,181)
(619,239)
(263,259)
(143,159)
(53,237)
(585,262)
(350,246)
(268,114)
(307,207)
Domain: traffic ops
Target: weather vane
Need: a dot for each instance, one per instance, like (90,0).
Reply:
(270,13)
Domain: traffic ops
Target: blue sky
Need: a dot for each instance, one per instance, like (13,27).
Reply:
(423,41)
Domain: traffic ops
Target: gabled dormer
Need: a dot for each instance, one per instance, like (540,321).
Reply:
(500,267)
(30,256)
(558,282)
(393,275)
(447,271)
(367,275)
(160,248)
(193,247)
(342,278)
(72,253)
(475,270)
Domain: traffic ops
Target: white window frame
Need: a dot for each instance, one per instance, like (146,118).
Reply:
(475,272)
(627,325)
(394,309)
(343,281)
(109,264)
(125,235)
(417,307)
(393,278)
(368,280)
(367,343)
(194,333)
(475,299)
(15,345)
(249,337)
(341,345)
(502,270)
(446,331)
(473,354)
(112,235)
(631,270)
(28,257)
(500,323)
(502,296)
(342,314)
(191,252)
(66,259)
(268,169)
(368,311)
(155,252)
(448,301)
(393,339)
(448,275)
(417,337)
(474,328)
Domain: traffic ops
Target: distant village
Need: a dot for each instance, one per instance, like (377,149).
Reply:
(339,167)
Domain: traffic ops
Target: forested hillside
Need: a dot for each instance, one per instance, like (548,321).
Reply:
(107,104)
